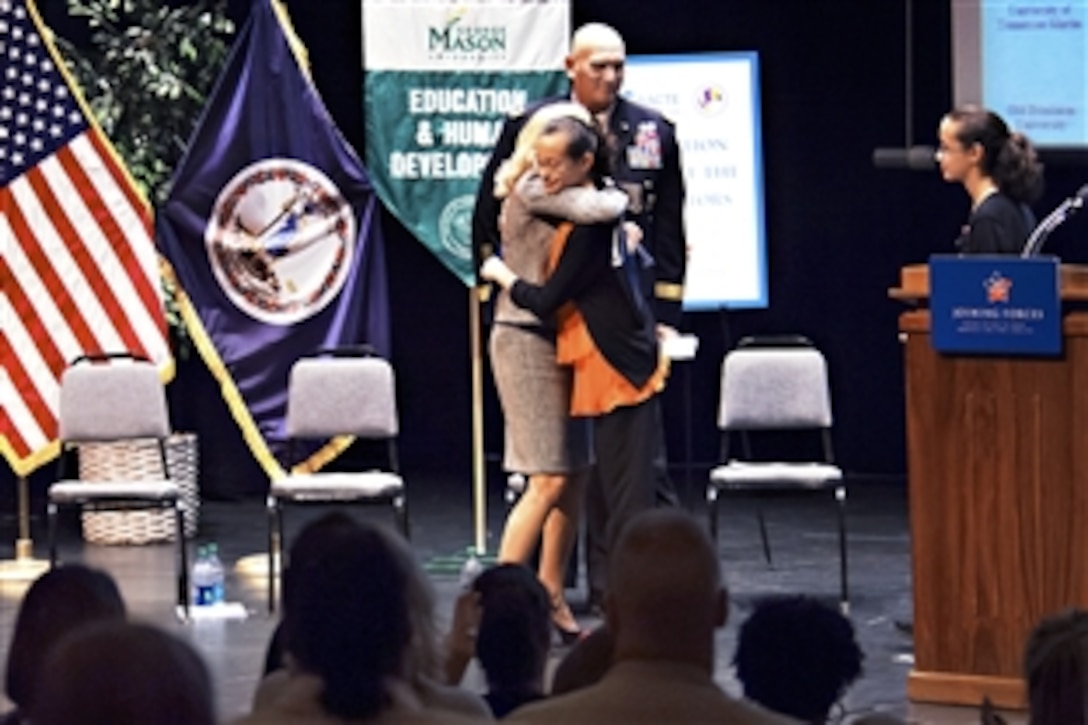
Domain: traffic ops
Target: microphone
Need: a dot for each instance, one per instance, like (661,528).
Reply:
(1053,220)
(915,158)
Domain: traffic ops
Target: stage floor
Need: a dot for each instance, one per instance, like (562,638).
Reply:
(803,540)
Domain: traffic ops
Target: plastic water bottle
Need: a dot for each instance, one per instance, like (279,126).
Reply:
(217,575)
(203,579)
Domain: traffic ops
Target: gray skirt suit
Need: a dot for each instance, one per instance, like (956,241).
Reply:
(534,390)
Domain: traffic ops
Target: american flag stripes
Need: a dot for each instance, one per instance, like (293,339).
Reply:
(78,265)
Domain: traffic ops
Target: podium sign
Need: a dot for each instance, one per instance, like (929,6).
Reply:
(995,304)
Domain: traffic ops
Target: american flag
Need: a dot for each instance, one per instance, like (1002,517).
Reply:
(78,265)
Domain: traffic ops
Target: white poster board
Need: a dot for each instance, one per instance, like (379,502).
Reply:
(713,98)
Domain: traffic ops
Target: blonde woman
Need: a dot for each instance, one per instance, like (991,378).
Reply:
(542,441)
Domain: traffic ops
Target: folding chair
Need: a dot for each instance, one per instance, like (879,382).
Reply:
(110,398)
(776,384)
(338,392)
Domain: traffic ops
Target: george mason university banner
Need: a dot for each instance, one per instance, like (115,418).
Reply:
(78,268)
(441,78)
(272,230)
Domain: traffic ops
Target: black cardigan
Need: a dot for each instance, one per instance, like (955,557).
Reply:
(998,226)
(621,328)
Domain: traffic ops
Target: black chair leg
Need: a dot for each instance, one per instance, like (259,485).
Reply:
(844,592)
(570,573)
(272,508)
(183,561)
(52,515)
(712,510)
(400,505)
(763,536)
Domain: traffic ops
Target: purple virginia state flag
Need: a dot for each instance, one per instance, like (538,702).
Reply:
(272,230)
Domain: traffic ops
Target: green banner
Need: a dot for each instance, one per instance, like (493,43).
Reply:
(429,135)
(440,79)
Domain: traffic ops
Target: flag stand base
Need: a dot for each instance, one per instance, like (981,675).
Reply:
(255,566)
(24,567)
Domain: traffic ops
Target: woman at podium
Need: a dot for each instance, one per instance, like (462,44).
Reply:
(1000,172)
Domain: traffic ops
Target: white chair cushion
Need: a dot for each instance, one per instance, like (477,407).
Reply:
(330,396)
(798,475)
(79,491)
(112,401)
(345,486)
(769,388)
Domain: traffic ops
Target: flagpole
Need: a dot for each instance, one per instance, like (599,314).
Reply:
(24,566)
(479,488)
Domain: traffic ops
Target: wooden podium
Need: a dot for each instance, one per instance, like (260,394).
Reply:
(997,455)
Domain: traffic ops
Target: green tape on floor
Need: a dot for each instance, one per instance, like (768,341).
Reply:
(454,563)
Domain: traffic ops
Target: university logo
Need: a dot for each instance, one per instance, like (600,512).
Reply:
(455,226)
(998,288)
(458,39)
(280,240)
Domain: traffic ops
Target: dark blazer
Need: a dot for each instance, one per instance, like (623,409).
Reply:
(646,165)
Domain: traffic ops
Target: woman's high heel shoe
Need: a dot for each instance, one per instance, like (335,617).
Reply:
(567,637)
(561,621)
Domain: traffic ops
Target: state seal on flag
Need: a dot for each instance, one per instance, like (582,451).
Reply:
(280,240)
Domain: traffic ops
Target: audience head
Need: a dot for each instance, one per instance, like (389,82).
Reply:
(1056,669)
(312,543)
(124,674)
(665,596)
(977,141)
(58,602)
(354,599)
(521,160)
(515,627)
(595,66)
(570,153)
(796,656)
(585,664)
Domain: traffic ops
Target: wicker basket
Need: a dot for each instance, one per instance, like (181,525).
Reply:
(139,460)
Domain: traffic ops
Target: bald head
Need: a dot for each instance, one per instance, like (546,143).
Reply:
(665,594)
(595,66)
(595,36)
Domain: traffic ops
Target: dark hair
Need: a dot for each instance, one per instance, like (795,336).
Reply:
(1056,669)
(124,673)
(58,602)
(796,656)
(582,139)
(1007,156)
(346,612)
(311,544)
(515,626)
